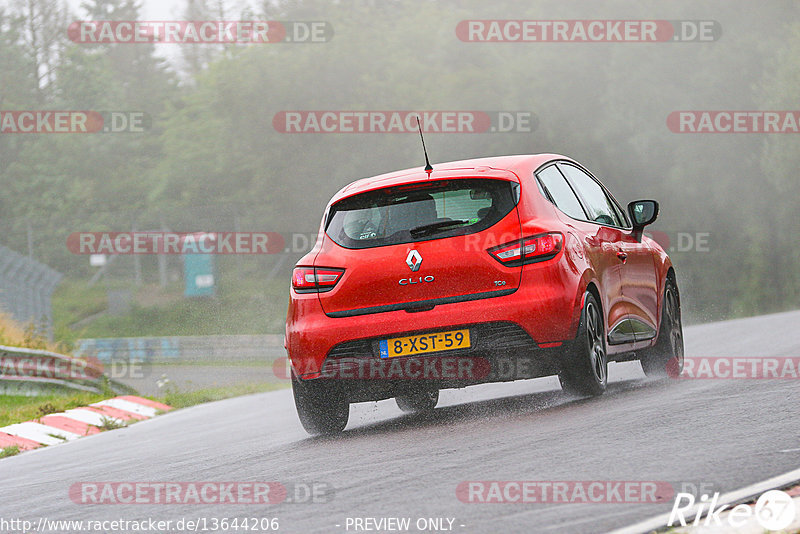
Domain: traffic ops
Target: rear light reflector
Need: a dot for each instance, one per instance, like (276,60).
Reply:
(315,279)
(529,249)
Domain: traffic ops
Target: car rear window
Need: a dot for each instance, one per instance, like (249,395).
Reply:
(420,212)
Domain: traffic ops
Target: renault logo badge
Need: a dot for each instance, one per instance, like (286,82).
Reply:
(414,260)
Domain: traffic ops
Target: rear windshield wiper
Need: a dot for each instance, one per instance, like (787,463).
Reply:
(426,229)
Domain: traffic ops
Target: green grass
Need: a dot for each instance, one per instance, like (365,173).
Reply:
(107,423)
(9,451)
(184,399)
(18,409)
(241,306)
(73,301)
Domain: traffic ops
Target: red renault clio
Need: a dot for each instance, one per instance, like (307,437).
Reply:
(483,270)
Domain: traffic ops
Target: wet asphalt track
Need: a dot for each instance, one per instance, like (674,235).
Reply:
(723,433)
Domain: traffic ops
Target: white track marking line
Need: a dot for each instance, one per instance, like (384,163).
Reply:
(88,416)
(39,433)
(128,406)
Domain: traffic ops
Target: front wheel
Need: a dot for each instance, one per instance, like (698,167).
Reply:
(322,405)
(585,368)
(666,356)
(425,401)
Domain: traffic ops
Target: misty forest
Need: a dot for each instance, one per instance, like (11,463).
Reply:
(211,159)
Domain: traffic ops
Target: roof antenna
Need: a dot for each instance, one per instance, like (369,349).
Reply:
(428,167)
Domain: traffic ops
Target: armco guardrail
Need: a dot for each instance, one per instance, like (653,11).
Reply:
(35,372)
(183,349)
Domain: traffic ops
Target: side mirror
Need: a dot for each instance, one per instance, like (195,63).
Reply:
(642,212)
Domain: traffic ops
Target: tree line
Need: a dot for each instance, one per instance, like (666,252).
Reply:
(212,158)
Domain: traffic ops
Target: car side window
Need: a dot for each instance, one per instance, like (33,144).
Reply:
(620,214)
(560,192)
(600,206)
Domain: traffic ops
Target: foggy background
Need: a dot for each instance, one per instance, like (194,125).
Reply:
(211,159)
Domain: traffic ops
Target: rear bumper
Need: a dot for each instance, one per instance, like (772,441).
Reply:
(499,352)
(544,309)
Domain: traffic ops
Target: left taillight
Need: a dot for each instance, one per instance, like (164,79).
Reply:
(528,250)
(315,279)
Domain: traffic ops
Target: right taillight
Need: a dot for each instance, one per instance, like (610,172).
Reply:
(315,279)
(531,249)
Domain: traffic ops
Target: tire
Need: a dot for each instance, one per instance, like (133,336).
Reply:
(322,406)
(424,401)
(585,367)
(666,356)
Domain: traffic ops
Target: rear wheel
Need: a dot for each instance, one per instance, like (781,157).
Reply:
(666,356)
(585,367)
(321,404)
(424,401)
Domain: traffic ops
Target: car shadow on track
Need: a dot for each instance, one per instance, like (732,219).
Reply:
(502,407)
